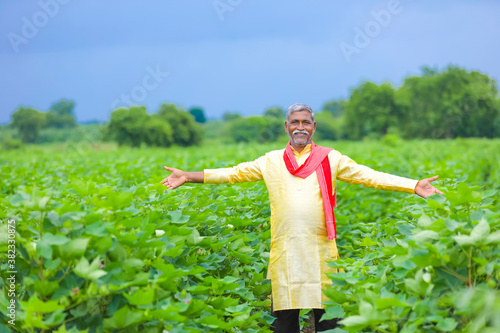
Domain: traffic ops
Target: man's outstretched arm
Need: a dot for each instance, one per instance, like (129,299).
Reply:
(243,172)
(353,173)
(179,177)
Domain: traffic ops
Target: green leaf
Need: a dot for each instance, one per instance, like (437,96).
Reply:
(51,239)
(481,230)
(91,272)
(367,242)
(478,234)
(55,318)
(141,297)
(354,321)
(74,249)
(97,229)
(493,238)
(54,219)
(383,303)
(424,221)
(489,193)
(213,322)
(44,246)
(434,204)
(447,325)
(194,238)
(425,235)
(134,263)
(332,312)
(177,217)
(122,318)
(36,305)
(336,295)
(46,288)
(452,225)
(418,285)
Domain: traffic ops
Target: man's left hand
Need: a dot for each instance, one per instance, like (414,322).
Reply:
(425,189)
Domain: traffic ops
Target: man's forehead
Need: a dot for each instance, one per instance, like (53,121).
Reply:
(300,115)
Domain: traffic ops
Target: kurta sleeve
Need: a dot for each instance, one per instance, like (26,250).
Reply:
(243,172)
(353,173)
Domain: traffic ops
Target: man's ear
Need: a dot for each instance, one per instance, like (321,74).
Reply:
(286,126)
(314,129)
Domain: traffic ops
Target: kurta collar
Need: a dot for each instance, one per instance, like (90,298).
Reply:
(307,149)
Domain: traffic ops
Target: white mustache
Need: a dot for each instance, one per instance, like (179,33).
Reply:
(300,131)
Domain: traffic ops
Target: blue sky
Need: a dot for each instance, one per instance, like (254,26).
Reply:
(229,55)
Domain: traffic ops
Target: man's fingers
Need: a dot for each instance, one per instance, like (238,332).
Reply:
(439,192)
(433,178)
(169,169)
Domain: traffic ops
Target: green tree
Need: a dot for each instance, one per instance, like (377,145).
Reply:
(186,131)
(327,127)
(496,124)
(157,132)
(335,107)
(134,126)
(450,103)
(275,112)
(28,123)
(255,128)
(198,114)
(228,116)
(63,107)
(372,110)
(61,114)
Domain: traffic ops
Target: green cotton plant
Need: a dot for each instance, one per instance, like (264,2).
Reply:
(109,250)
(102,247)
(417,279)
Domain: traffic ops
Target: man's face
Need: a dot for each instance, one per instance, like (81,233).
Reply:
(300,128)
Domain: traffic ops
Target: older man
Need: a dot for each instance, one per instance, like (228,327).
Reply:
(301,182)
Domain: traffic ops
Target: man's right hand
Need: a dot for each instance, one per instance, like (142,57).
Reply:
(176,179)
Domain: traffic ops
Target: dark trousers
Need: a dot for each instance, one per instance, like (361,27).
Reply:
(287,321)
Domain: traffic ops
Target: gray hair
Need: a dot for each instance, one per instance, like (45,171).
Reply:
(299,107)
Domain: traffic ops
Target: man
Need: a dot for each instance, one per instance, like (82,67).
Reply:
(301,182)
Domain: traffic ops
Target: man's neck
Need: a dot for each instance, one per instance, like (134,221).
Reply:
(298,149)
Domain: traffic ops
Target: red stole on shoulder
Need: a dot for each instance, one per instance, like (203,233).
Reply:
(317,161)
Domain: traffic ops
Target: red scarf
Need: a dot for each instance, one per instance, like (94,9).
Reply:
(317,161)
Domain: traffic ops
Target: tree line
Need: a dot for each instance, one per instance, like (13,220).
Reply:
(437,104)
(443,104)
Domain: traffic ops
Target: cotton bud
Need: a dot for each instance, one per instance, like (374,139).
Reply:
(159,232)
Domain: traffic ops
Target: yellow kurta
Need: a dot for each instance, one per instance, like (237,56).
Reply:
(300,248)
